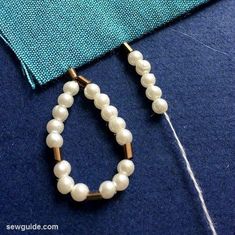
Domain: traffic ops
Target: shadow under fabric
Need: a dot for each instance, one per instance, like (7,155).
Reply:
(48,37)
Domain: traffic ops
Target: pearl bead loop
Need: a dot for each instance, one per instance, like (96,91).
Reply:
(117,125)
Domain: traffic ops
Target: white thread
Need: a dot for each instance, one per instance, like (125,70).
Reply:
(192,176)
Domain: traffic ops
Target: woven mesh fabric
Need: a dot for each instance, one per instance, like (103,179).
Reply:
(49,36)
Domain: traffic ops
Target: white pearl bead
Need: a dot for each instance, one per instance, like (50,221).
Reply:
(133,57)
(147,80)
(101,100)
(79,192)
(153,92)
(121,181)
(124,137)
(55,125)
(65,184)
(66,100)
(159,106)
(107,189)
(91,90)
(62,168)
(54,140)
(126,167)
(71,87)
(142,67)
(108,112)
(116,124)
(60,113)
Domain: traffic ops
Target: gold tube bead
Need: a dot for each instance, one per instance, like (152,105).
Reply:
(92,196)
(79,78)
(128,151)
(83,81)
(72,73)
(57,154)
(127,47)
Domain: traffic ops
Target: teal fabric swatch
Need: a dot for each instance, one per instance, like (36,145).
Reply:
(49,36)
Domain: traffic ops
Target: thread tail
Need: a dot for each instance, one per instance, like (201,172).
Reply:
(192,177)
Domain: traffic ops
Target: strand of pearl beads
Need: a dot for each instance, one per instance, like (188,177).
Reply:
(160,106)
(148,80)
(117,125)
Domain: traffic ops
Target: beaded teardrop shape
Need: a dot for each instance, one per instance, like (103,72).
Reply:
(117,125)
